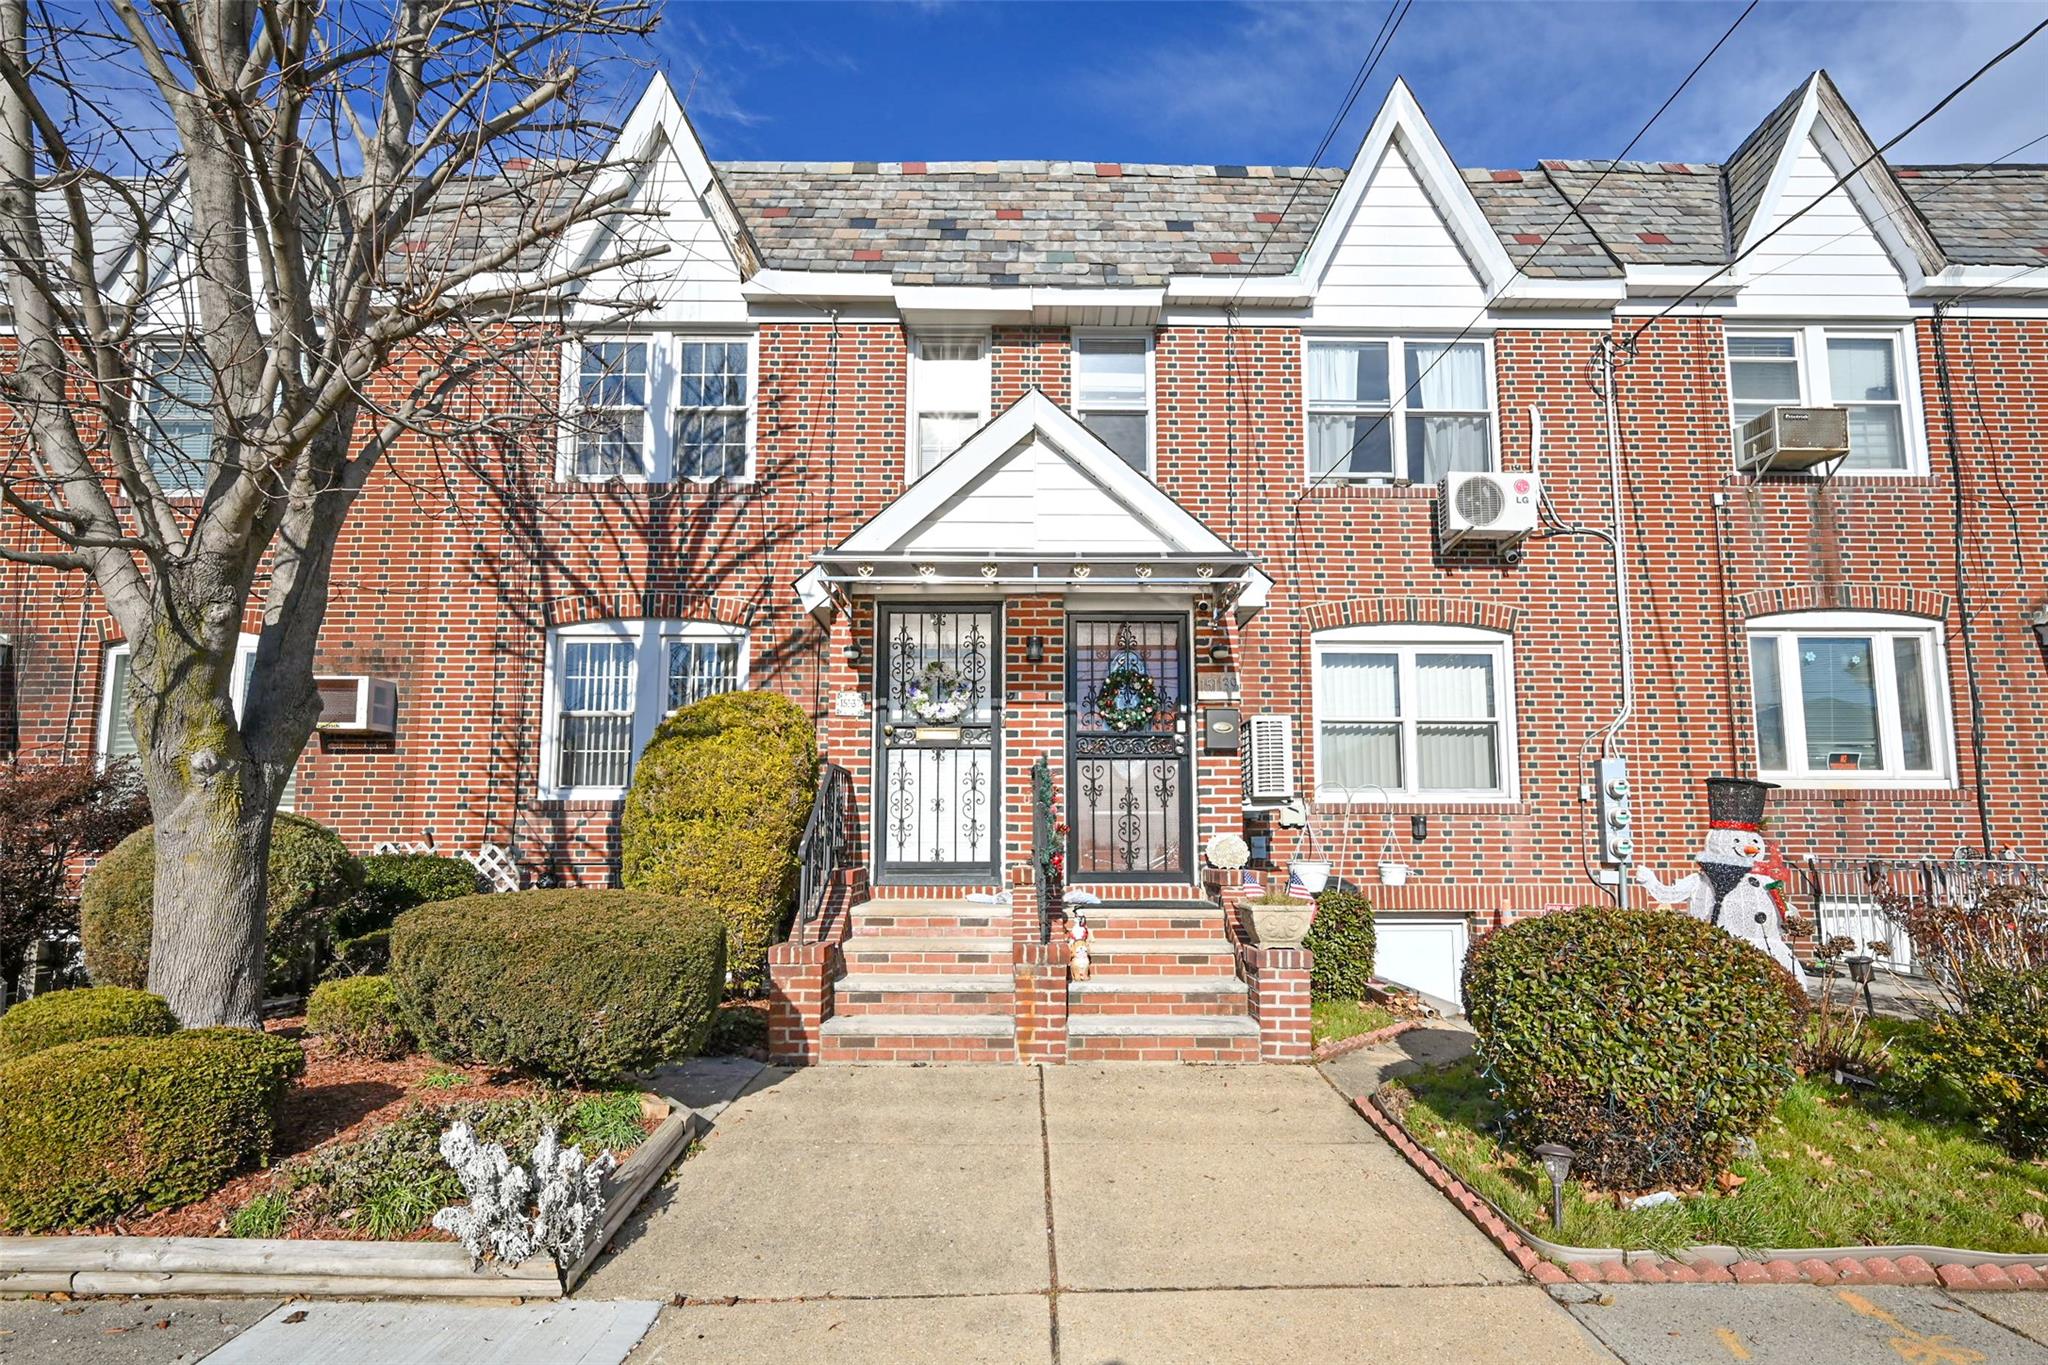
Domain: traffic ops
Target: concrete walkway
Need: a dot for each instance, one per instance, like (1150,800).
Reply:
(1072,1214)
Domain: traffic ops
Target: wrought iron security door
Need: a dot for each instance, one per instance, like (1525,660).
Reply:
(937,761)
(1127,744)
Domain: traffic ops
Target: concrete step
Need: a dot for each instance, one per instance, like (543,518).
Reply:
(1190,920)
(1162,1038)
(946,954)
(1136,996)
(888,917)
(923,993)
(1210,956)
(918,1038)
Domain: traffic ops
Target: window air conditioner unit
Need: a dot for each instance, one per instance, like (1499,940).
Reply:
(1787,440)
(1269,759)
(1497,509)
(351,704)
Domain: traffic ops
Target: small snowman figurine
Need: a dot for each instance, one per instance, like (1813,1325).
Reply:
(1729,890)
(1077,939)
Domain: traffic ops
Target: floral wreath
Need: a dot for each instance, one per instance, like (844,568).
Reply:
(939,694)
(1127,698)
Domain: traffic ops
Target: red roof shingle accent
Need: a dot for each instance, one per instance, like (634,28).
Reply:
(1225,258)
(1009,213)
(913,168)
(1507,177)
(1653,238)
(867,255)
(778,211)
(1529,238)
(1108,168)
(1266,217)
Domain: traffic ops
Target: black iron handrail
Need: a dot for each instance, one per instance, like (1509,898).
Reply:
(821,853)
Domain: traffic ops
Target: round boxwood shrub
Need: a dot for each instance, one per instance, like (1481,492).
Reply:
(71,1016)
(1645,1040)
(311,874)
(394,883)
(579,986)
(1342,939)
(715,813)
(359,1015)
(114,1126)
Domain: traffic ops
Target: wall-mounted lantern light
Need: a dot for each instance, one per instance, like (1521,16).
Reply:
(1418,827)
(1034,649)
(2038,619)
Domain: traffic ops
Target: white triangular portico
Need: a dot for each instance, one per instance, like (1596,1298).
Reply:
(1033,502)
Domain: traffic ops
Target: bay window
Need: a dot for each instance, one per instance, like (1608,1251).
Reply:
(1850,698)
(1113,394)
(949,395)
(1397,409)
(609,683)
(1413,712)
(1861,369)
(658,408)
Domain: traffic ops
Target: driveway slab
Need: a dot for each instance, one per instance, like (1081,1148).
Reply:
(121,1331)
(1011,1330)
(1201,1105)
(1508,1325)
(885,1105)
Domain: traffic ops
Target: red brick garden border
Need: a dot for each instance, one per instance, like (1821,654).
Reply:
(1364,1040)
(1652,1268)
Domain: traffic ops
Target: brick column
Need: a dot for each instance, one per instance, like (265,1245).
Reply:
(1042,1002)
(1278,995)
(799,999)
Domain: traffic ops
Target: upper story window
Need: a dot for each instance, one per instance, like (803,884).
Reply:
(1409,409)
(1419,712)
(1850,698)
(949,394)
(117,721)
(1113,394)
(175,417)
(609,683)
(660,408)
(1866,371)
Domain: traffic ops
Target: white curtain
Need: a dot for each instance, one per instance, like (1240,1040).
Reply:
(1356,757)
(1446,379)
(1347,372)
(1361,686)
(1456,687)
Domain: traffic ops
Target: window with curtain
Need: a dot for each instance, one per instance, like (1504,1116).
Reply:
(176,386)
(1361,424)
(610,683)
(1858,369)
(611,411)
(1411,712)
(949,387)
(1848,698)
(711,412)
(1112,394)
(117,720)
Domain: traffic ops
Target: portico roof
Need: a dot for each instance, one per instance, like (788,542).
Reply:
(1033,501)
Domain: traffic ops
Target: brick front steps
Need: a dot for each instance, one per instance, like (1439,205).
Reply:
(1162,1038)
(1946,1266)
(919,1038)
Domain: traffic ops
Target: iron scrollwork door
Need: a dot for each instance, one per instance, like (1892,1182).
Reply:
(1127,743)
(937,771)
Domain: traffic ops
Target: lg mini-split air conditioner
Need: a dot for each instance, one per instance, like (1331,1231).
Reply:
(1493,509)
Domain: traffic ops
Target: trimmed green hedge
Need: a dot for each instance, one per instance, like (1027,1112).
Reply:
(1344,943)
(360,1016)
(581,986)
(115,1126)
(715,813)
(394,883)
(71,1016)
(312,874)
(1648,1042)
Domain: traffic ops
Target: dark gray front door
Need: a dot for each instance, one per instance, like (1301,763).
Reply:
(937,776)
(1128,772)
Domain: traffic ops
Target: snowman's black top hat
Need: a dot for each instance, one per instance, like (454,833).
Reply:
(1736,802)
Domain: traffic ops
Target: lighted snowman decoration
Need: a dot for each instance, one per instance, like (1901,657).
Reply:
(1729,890)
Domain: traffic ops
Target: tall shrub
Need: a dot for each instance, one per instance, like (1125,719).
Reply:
(51,814)
(1648,1042)
(715,813)
(1343,941)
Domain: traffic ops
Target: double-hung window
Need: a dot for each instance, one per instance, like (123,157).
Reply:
(1413,712)
(1852,698)
(1397,408)
(949,394)
(660,407)
(1113,394)
(117,720)
(1863,370)
(175,417)
(609,683)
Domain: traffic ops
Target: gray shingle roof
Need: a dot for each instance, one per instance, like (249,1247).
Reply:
(1749,170)
(1997,216)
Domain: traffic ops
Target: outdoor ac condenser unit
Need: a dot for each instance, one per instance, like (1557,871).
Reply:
(1269,759)
(1789,440)
(352,704)
(1498,509)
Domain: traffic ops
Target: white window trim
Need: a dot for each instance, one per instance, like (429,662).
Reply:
(1150,407)
(649,637)
(1396,637)
(1786,627)
(914,358)
(1398,408)
(158,352)
(664,394)
(1810,356)
(238,686)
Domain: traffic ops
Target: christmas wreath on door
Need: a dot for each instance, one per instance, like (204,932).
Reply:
(1128,699)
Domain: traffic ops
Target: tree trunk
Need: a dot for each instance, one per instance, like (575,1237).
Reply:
(206,941)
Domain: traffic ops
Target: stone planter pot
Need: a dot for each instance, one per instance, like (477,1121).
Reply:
(1280,926)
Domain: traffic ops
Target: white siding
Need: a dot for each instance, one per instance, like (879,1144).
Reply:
(1397,264)
(1032,501)
(1829,263)
(696,281)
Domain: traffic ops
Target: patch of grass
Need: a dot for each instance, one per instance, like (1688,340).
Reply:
(1834,1167)
(1332,1021)
(442,1078)
(610,1121)
(262,1216)
(400,1209)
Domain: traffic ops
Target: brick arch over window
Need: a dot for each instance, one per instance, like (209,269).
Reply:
(1842,597)
(1432,611)
(632,606)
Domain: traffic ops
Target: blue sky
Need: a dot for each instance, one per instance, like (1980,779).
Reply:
(1256,84)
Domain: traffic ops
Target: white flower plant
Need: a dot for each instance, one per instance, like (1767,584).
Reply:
(512,1213)
(1228,852)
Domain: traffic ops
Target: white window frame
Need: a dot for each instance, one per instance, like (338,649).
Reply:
(1406,641)
(986,341)
(159,356)
(663,411)
(1881,628)
(238,687)
(1816,383)
(1149,408)
(1399,409)
(649,637)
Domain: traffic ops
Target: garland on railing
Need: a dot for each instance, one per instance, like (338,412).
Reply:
(1049,841)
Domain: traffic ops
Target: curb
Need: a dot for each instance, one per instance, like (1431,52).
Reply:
(1581,1265)
(1345,1046)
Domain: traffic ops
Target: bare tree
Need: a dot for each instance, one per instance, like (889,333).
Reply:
(248,248)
